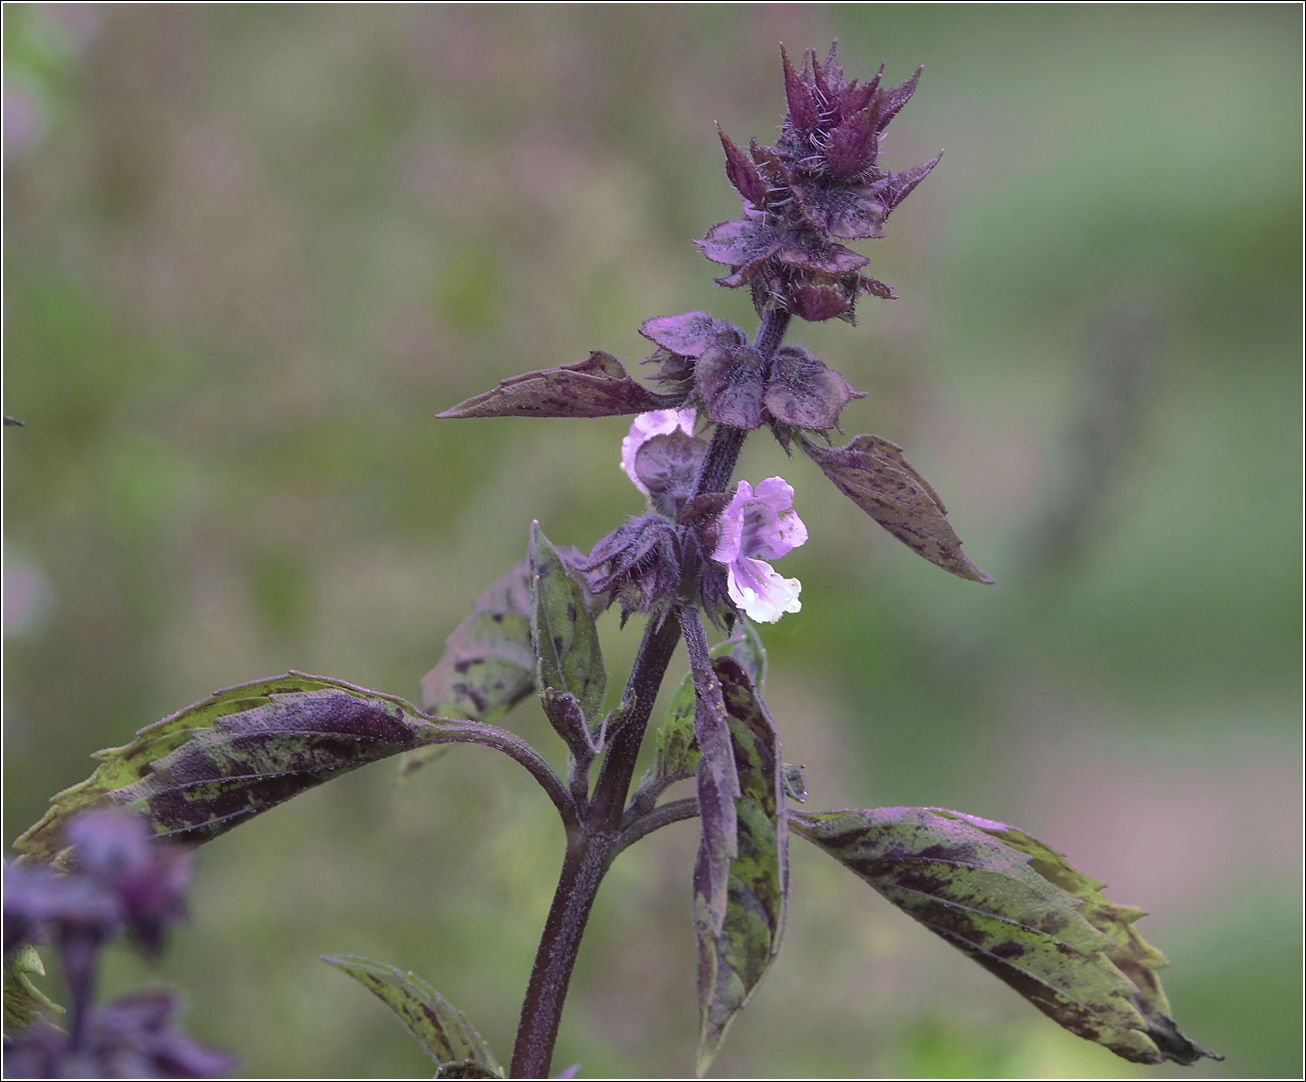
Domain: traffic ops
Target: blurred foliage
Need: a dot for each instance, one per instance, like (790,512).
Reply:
(250,250)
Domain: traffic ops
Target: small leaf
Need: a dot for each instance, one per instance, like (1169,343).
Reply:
(437,1026)
(23,1001)
(1019,909)
(795,783)
(677,754)
(741,172)
(730,384)
(876,476)
(804,393)
(598,386)
(691,334)
(249,748)
(733,959)
(565,638)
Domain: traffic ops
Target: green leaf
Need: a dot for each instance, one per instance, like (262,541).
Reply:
(745,646)
(565,637)
(244,750)
(1019,909)
(435,1024)
(677,755)
(23,1000)
(731,963)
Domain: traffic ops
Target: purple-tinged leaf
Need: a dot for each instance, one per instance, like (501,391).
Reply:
(598,386)
(563,633)
(741,172)
(488,665)
(246,749)
(691,334)
(643,565)
(875,475)
(1018,908)
(729,382)
(804,393)
(894,188)
(444,1032)
(718,781)
(804,113)
(894,98)
(733,958)
(677,755)
(741,243)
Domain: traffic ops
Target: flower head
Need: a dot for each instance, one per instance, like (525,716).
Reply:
(755,527)
(819,184)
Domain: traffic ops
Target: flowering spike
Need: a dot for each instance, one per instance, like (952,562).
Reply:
(819,183)
(741,172)
(803,111)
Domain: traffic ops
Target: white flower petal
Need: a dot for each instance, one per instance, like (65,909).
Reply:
(760,591)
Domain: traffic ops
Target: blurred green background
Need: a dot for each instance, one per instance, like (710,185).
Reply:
(250,250)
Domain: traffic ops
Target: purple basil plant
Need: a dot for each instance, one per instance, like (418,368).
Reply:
(697,566)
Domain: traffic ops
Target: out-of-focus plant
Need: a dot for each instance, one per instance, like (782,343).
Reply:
(703,548)
(122,879)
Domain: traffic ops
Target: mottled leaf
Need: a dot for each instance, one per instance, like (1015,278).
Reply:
(23,1001)
(875,475)
(733,957)
(435,1024)
(563,633)
(246,749)
(598,386)
(795,782)
(488,665)
(1020,910)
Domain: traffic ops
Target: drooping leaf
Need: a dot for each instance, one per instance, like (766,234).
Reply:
(876,476)
(563,633)
(718,780)
(1019,909)
(23,1001)
(598,386)
(435,1024)
(248,748)
(733,959)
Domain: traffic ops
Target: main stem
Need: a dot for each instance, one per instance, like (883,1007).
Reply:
(589,845)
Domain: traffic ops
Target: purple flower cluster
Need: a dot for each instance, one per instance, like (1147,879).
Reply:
(123,878)
(820,183)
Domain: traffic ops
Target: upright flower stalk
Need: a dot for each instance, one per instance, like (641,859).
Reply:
(697,557)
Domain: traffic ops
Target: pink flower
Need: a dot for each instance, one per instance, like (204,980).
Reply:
(756,527)
(643,428)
